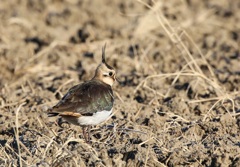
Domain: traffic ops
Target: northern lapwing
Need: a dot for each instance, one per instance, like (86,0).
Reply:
(88,103)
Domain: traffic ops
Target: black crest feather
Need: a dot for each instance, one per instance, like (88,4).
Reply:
(103,56)
(103,53)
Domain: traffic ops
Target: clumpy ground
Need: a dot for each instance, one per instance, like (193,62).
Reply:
(177,103)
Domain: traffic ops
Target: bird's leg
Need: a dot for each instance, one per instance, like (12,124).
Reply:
(84,133)
(89,133)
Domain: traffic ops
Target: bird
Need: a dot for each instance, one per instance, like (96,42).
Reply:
(88,103)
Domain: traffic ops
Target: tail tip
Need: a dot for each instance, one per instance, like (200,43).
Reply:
(52,114)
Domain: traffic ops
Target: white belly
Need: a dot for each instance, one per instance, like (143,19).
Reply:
(95,119)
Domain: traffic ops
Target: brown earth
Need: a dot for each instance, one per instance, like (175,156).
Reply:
(178,102)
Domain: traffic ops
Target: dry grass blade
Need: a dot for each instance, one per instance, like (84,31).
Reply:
(178,100)
(17,133)
(191,61)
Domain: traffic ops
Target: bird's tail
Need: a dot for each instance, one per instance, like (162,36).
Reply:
(51,113)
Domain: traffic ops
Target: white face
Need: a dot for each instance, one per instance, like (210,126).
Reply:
(109,77)
(106,75)
(108,80)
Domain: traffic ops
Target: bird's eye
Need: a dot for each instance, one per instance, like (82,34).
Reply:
(110,73)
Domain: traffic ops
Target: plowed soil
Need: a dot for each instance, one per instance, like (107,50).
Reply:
(178,99)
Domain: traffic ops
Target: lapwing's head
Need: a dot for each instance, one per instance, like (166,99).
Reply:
(105,72)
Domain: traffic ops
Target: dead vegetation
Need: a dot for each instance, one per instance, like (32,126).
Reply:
(178,101)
